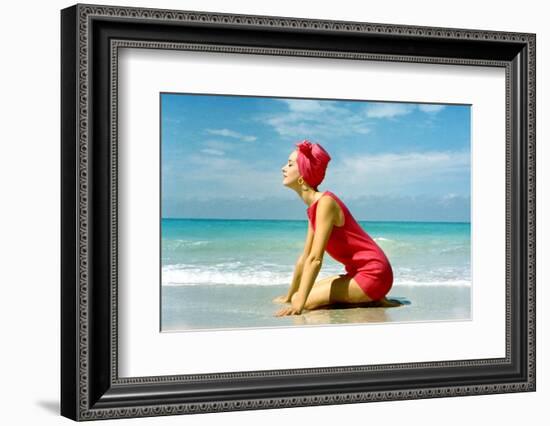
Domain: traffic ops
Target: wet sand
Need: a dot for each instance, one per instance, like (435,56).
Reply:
(186,308)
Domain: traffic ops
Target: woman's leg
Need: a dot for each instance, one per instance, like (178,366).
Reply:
(337,289)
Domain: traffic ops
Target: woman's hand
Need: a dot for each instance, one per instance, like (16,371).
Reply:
(293,309)
(281,299)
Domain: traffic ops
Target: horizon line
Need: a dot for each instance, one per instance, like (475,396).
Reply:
(305,220)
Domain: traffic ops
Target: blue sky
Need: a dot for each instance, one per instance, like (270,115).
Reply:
(222,157)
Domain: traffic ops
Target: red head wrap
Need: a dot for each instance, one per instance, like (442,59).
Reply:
(312,162)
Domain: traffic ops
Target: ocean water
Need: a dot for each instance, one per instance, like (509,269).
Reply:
(202,252)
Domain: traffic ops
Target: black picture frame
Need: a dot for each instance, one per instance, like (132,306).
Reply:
(90,386)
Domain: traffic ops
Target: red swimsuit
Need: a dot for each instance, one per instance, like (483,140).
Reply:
(363,259)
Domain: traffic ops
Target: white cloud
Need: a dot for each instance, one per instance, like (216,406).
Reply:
(215,147)
(224,176)
(388,110)
(450,196)
(409,161)
(392,110)
(212,151)
(285,205)
(308,106)
(322,120)
(315,119)
(448,199)
(441,173)
(400,172)
(431,109)
(219,145)
(391,186)
(231,134)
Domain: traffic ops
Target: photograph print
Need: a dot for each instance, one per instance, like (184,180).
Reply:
(282,212)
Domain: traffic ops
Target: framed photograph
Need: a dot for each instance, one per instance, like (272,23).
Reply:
(263,212)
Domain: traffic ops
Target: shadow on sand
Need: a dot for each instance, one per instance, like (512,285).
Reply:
(393,302)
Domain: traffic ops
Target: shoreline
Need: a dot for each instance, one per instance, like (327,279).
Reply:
(215,307)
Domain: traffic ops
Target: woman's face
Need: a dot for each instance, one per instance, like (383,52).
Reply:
(291,173)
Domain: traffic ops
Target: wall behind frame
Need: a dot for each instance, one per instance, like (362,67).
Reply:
(30,212)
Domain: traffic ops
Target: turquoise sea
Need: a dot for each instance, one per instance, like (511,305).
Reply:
(224,274)
(263,252)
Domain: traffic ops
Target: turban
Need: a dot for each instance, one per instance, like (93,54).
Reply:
(312,162)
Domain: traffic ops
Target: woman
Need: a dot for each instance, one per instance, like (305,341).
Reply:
(332,228)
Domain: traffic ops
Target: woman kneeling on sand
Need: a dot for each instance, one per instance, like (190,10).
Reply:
(331,227)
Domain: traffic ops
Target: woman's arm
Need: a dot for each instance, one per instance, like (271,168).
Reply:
(298,269)
(326,217)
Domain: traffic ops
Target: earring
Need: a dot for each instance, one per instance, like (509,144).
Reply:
(302,180)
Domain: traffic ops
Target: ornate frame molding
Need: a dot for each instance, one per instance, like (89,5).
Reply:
(78,23)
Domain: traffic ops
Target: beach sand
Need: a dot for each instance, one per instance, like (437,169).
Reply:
(186,308)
